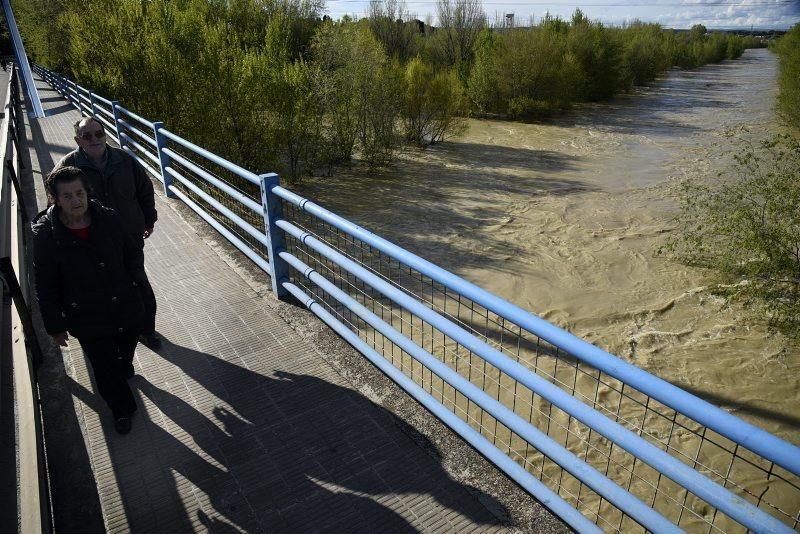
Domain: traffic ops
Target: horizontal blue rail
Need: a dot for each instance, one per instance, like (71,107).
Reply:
(578,451)
(734,506)
(749,436)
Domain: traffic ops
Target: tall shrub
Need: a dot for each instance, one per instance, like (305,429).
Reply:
(434,103)
(358,91)
(483,79)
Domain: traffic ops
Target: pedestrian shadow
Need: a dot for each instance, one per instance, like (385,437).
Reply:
(269,453)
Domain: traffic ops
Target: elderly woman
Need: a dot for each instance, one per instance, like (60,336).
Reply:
(87,270)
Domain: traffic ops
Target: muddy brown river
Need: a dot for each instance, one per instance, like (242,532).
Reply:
(563,218)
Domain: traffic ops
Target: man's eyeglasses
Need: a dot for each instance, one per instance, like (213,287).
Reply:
(99,134)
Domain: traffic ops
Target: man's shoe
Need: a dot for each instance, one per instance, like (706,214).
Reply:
(129,372)
(151,340)
(122,425)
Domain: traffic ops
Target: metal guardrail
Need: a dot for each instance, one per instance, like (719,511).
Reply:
(22,355)
(602,443)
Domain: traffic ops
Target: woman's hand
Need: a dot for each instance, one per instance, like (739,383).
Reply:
(60,338)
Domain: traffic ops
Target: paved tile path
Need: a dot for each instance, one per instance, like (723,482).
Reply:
(242,426)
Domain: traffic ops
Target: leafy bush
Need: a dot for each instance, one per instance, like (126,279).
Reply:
(644,56)
(745,228)
(391,24)
(379,139)
(434,103)
(359,94)
(598,53)
(532,71)
(482,82)
(542,70)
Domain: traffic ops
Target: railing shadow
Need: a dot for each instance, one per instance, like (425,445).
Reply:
(56,98)
(65,108)
(45,150)
(287,452)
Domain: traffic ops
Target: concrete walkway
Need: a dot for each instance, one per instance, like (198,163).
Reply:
(241,426)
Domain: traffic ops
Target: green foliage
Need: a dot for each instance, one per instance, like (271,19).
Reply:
(391,24)
(484,76)
(294,116)
(529,73)
(358,92)
(379,137)
(746,229)
(434,103)
(698,31)
(598,53)
(645,55)
(45,42)
(788,50)
(542,70)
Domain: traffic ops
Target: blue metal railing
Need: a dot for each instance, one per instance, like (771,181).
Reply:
(577,427)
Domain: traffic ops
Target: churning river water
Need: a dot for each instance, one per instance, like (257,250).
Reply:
(563,218)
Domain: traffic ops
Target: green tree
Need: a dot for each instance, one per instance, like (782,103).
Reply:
(434,104)
(460,21)
(391,23)
(644,56)
(44,31)
(359,93)
(698,31)
(381,104)
(598,52)
(536,75)
(295,117)
(483,79)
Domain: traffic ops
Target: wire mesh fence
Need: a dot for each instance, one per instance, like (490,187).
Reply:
(759,481)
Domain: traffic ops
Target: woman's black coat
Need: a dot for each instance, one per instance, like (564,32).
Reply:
(88,288)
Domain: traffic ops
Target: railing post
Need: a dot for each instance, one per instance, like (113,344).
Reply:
(74,95)
(93,103)
(114,104)
(273,210)
(163,159)
(61,87)
(80,101)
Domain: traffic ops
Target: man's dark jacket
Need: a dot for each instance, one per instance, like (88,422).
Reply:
(123,185)
(88,288)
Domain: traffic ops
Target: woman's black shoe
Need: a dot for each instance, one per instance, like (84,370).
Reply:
(122,425)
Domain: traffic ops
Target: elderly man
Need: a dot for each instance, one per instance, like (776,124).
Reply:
(119,181)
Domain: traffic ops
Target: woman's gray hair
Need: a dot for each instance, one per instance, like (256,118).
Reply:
(64,175)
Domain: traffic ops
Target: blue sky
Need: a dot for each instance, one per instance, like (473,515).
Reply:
(766,14)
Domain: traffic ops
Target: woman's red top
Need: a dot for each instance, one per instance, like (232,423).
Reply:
(83,233)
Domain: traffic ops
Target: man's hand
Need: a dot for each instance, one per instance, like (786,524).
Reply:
(147,233)
(60,338)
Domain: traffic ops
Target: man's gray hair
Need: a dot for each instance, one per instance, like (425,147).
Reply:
(86,120)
